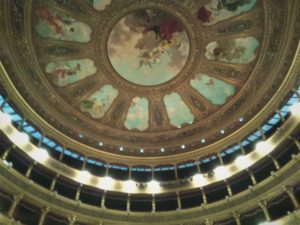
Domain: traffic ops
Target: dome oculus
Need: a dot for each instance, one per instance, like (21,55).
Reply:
(148,47)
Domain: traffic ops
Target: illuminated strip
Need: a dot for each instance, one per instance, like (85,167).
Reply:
(106,183)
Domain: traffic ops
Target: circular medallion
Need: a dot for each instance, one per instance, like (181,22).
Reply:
(148,47)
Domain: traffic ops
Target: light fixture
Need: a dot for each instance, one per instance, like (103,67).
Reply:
(40,155)
(263,147)
(121,149)
(141,150)
(222,131)
(203,140)
(83,176)
(295,109)
(100,143)
(5,120)
(105,183)
(129,186)
(198,179)
(182,146)
(241,119)
(20,138)
(162,150)
(221,172)
(242,162)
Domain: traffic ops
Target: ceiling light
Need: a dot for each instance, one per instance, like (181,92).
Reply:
(295,109)
(263,147)
(162,150)
(221,172)
(105,183)
(243,162)
(20,138)
(129,186)
(141,150)
(80,135)
(198,179)
(83,176)
(153,183)
(5,119)
(241,119)
(182,146)
(222,131)
(100,143)
(203,140)
(121,149)
(40,155)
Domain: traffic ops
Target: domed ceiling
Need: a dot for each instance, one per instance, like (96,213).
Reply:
(147,78)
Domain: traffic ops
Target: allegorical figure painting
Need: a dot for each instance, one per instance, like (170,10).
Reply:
(148,47)
(178,112)
(65,72)
(138,114)
(99,102)
(237,50)
(214,90)
(53,24)
(99,5)
(219,10)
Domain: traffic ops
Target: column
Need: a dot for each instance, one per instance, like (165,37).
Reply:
(13,206)
(198,166)
(236,217)
(176,172)
(290,192)
(228,188)
(203,196)
(103,200)
(262,133)
(28,172)
(280,116)
(220,159)
(44,212)
(178,201)
(153,204)
(263,206)
(5,154)
(242,148)
(297,143)
(77,196)
(254,182)
(61,156)
(53,183)
(128,204)
(275,162)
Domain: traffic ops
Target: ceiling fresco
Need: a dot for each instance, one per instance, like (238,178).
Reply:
(219,10)
(65,72)
(148,47)
(56,25)
(146,74)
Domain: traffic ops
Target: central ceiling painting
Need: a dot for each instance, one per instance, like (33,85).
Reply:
(148,47)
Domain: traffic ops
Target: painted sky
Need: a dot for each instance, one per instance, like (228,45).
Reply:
(132,38)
